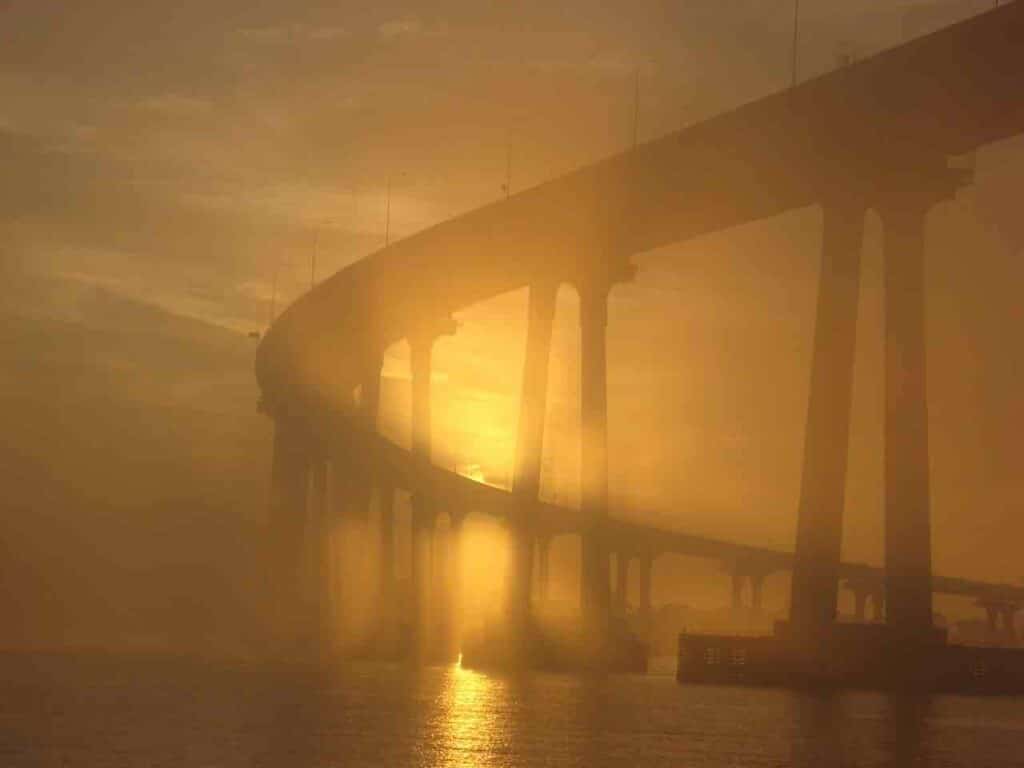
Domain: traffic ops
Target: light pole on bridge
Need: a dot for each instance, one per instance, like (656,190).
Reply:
(796,37)
(387,215)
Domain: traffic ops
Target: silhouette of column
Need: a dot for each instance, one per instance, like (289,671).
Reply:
(757,590)
(860,598)
(324,571)
(992,617)
(439,590)
(289,486)
(1009,630)
(421,346)
(621,583)
(646,563)
(878,605)
(454,592)
(420,353)
(388,593)
(368,411)
(419,574)
(738,577)
(420,350)
(907,494)
(815,580)
(543,547)
(594,596)
(529,449)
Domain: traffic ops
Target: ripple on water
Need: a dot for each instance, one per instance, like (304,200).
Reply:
(96,712)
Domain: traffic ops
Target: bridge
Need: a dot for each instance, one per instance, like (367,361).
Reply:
(880,134)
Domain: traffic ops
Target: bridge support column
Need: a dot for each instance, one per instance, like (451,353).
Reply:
(878,605)
(543,547)
(823,482)
(453,628)
(439,591)
(289,487)
(594,597)
(322,558)
(646,563)
(907,493)
(421,346)
(388,593)
(738,578)
(860,598)
(621,583)
(992,620)
(445,587)
(419,576)
(363,470)
(757,591)
(529,449)
(1010,623)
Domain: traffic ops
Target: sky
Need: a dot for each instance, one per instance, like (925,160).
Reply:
(192,152)
(215,157)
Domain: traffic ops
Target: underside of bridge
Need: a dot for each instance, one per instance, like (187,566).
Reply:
(874,136)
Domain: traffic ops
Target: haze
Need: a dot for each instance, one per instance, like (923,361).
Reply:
(175,176)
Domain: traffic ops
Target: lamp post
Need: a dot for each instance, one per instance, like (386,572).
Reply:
(387,210)
(312,262)
(796,37)
(387,215)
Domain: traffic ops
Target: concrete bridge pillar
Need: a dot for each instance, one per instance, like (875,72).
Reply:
(441,592)
(529,449)
(823,480)
(1001,620)
(445,587)
(903,209)
(594,597)
(543,549)
(1010,623)
(453,628)
(621,600)
(324,570)
(860,598)
(739,577)
(420,353)
(363,469)
(289,488)
(757,590)
(388,592)
(646,565)
(877,605)
(419,576)
(992,619)
(421,345)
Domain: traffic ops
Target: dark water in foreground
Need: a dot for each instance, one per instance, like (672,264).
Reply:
(79,711)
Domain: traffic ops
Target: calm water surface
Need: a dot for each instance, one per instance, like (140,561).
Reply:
(92,712)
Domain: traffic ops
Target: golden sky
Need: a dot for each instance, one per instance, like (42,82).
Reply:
(195,154)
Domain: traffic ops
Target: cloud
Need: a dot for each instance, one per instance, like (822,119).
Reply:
(290,34)
(609,62)
(328,33)
(411,27)
(177,105)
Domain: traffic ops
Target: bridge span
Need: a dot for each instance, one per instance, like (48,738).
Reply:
(879,134)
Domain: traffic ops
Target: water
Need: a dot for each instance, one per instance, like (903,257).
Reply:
(93,712)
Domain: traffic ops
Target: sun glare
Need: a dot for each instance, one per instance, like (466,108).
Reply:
(473,716)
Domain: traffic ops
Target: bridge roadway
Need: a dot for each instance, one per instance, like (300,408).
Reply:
(635,539)
(854,133)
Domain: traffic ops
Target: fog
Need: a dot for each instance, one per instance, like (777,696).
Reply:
(176,176)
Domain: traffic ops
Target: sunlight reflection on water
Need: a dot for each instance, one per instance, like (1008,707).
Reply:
(471,713)
(111,712)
